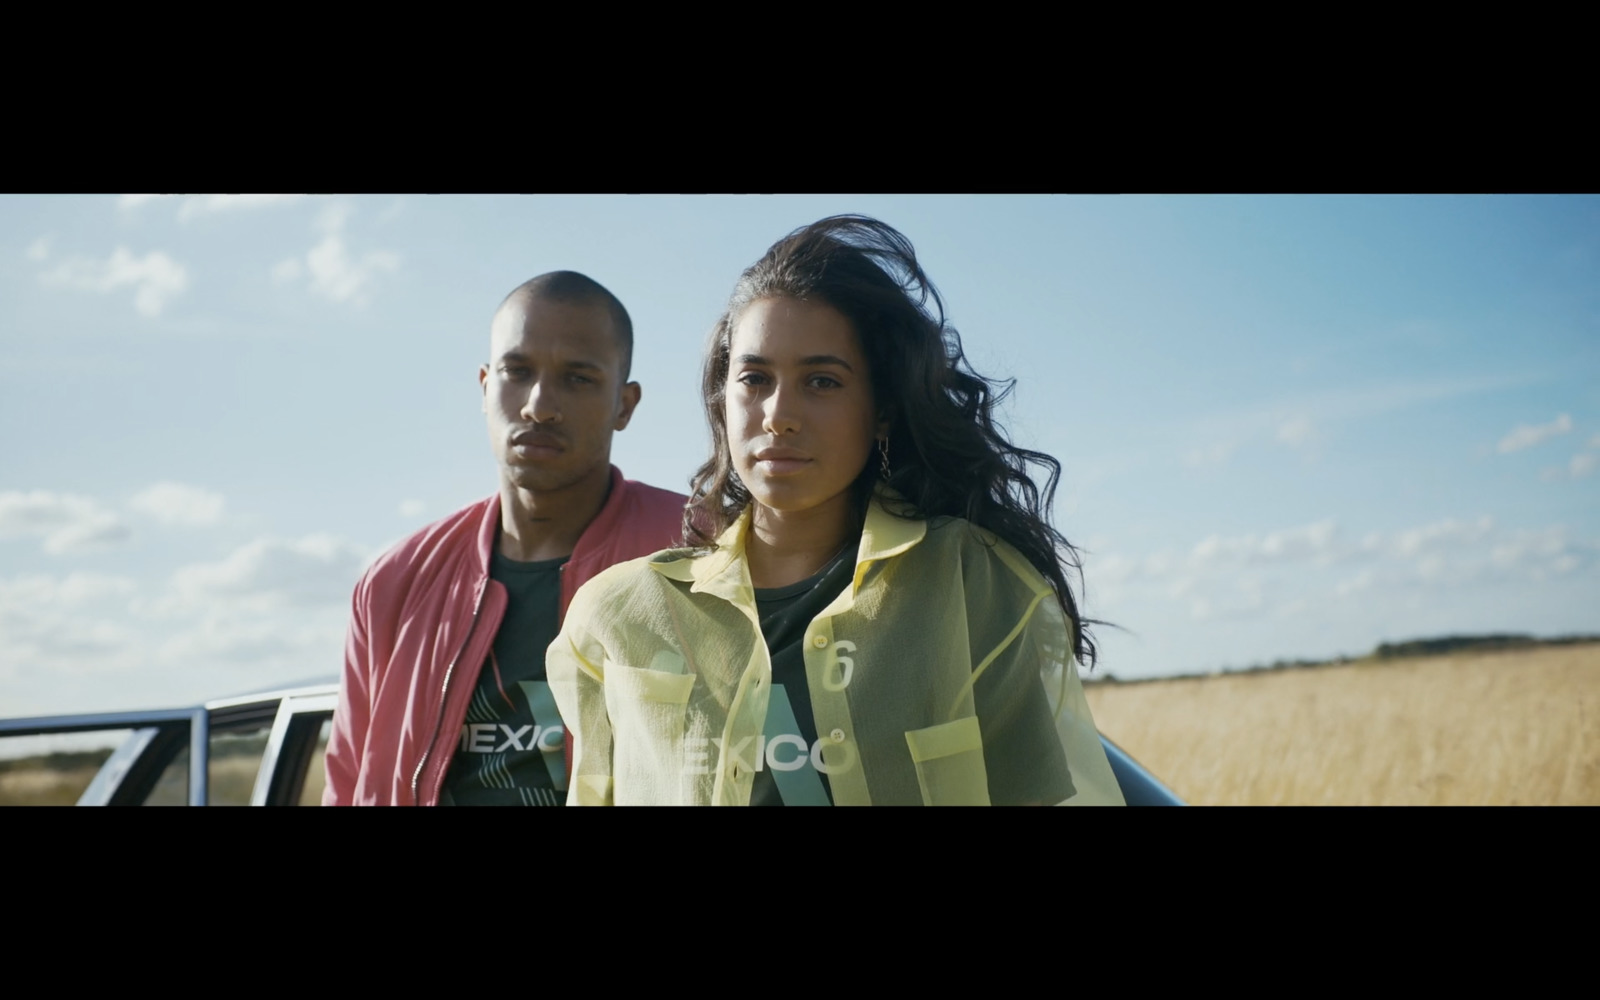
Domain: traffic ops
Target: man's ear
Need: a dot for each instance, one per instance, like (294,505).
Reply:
(630,399)
(483,384)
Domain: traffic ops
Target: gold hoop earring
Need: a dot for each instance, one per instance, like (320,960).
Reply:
(883,458)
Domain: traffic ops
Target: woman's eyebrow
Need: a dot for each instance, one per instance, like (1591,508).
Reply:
(827,359)
(815,359)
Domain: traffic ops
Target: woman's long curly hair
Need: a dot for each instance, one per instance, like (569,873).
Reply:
(946,453)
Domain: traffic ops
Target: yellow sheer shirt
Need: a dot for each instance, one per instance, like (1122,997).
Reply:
(942,675)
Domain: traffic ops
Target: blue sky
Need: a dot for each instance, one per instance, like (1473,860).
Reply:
(1289,426)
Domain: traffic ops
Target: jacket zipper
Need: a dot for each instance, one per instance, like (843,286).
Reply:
(444,696)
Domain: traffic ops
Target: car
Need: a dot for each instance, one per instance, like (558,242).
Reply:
(265,749)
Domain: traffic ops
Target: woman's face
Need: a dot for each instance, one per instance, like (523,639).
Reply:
(800,415)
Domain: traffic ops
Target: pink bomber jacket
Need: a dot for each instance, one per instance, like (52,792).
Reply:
(422,620)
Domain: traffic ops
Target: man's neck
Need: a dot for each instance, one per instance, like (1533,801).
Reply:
(547,525)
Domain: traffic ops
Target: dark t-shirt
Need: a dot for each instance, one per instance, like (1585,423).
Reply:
(511,747)
(786,773)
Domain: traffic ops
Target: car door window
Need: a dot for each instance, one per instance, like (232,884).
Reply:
(53,769)
(316,776)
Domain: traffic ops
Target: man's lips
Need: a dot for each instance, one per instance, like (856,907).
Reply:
(536,444)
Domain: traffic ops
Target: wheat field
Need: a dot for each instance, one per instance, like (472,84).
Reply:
(1516,727)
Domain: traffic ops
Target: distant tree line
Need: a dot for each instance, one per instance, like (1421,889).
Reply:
(1476,643)
(58,761)
(1388,651)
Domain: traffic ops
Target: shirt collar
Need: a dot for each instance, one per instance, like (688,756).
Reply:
(724,573)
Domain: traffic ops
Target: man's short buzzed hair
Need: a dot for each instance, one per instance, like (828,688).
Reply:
(580,289)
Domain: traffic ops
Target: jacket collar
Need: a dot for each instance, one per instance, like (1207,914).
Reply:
(594,536)
(723,572)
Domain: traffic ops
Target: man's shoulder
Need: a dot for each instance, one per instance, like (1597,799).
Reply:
(432,547)
(648,518)
(643,496)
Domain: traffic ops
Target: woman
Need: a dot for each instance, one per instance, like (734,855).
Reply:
(878,613)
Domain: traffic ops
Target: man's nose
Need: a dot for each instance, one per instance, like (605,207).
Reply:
(542,405)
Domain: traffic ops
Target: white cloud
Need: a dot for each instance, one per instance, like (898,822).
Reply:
(253,641)
(391,211)
(100,532)
(129,202)
(317,569)
(1528,435)
(1582,464)
(334,272)
(1296,432)
(1201,458)
(68,523)
(1318,542)
(332,218)
(32,594)
(287,270)
(91,641)
(192,206)
(39,249)
(195,206)
(1543,553)
(1243,601)
(1355,584)
(1448,532)
(1594,442)
(155,278)
(412,508)
(175,503)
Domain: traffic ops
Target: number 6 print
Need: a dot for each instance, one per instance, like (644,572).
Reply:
(847,666)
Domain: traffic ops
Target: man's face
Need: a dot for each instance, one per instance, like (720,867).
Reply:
(553,392)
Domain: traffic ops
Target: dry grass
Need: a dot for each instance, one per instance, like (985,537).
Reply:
(1513,727)
(44,786)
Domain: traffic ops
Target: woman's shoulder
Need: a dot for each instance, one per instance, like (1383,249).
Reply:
(972,541)
(988,563)
(633,575)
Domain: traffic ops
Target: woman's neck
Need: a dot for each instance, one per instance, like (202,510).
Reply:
(785,547)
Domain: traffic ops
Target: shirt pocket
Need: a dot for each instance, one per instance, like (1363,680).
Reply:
(648,710)
(949,762)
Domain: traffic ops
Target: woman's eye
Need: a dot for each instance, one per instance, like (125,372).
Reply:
(825,382)
(751,378)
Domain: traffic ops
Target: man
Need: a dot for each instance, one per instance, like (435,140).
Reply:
(444,698)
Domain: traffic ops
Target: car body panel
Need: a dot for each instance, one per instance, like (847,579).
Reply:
(298,718)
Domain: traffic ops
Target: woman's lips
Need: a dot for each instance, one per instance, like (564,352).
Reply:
(781,461)
(781,466)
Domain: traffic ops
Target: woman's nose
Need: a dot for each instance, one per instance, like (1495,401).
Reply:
(780,414)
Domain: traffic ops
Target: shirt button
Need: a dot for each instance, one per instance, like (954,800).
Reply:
(819,641)
(837,735)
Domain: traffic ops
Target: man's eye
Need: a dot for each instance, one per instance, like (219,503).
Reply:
(577,379)
(515,373)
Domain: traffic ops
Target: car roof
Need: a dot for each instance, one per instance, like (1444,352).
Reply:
(323,685)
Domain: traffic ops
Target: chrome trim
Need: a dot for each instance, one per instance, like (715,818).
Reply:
(88,722)
(330,688)
(315,701)
(109,778)
(199,757)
